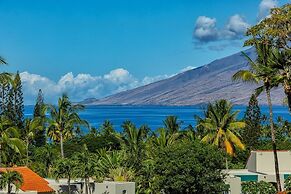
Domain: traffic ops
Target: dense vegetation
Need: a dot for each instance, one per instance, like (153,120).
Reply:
(168,159)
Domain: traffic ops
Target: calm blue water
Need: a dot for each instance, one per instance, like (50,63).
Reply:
(153,116)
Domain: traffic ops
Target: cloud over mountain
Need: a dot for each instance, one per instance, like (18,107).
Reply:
(82,86)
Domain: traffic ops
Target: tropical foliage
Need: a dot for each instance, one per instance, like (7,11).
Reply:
(222,126)
(252,187)
(64,122)
(9,178)
(169,159)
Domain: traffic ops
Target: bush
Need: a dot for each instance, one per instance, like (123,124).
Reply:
(189,168)
(262,187)
(287,183)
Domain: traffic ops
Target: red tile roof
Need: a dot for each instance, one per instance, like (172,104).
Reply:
(31,180)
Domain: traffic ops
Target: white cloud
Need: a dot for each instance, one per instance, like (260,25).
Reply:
(264,8)
(206,30)
(119,75)
(237,26)
(84,86)
(77,87)
(187,69)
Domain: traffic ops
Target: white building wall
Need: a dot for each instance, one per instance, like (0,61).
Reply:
(234,183)
(115,188)
(263,162)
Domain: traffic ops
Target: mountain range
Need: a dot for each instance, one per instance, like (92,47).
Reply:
(197,86)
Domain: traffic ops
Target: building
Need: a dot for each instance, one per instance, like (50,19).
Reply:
(260,167)
(32,182)
(107,187)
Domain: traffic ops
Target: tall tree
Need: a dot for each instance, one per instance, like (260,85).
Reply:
(46,155)
(18,100)
(277,29)
(64,121)
(39,112)
(86,167)
(250,134)
(31,126)
(262,72)
(65,168)
(221,125)
(5,85)
(15,106)
(5,80)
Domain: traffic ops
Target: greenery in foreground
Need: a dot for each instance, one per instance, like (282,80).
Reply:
(169,159)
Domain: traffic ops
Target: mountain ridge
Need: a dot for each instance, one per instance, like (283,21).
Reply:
(201,85)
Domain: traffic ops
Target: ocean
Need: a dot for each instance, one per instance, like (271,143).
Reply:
(153,116)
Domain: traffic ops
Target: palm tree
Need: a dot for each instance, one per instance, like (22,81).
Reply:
(65,168)
(108,160)
(220,124)
(164,138)
(86,167)
(121,174)
(107,128)
(64,121)
(261,71)
(281,60)
(9,138)
(47,155)
(10,177)
(2,61)
(172,124)
(133,139)
(31,126)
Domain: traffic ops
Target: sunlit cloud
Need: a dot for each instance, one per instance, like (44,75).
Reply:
(82,86)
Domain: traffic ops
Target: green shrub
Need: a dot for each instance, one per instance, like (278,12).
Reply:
(186,167)
(262,187)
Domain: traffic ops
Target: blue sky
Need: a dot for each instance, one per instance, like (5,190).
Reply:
(97,48)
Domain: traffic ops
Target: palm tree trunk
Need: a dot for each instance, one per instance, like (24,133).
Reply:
(86,186)
(287,90)
(8,188)
(0,155)
(2,98)
(69,184)
(274,140)
(62,144)
(27,144)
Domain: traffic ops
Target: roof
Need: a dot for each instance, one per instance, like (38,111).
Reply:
(240,172)
(31,180)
